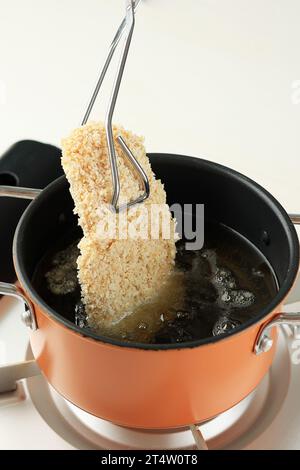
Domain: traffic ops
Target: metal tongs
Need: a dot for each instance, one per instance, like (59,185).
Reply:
(126,26)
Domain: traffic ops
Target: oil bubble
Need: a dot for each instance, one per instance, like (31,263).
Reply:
(224,325)
(81,319)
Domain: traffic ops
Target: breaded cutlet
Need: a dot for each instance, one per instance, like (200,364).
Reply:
(116,275)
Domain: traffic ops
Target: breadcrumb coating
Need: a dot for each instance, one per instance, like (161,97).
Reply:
(116,275)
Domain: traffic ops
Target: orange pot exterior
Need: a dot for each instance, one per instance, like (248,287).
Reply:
(147,388)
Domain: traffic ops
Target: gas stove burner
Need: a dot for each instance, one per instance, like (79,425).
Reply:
(236,428)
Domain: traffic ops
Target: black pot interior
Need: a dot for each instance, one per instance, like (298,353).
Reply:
(229,198)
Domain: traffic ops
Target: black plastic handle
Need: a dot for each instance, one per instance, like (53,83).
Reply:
(27,164)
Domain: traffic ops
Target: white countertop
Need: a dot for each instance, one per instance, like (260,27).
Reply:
(205,77)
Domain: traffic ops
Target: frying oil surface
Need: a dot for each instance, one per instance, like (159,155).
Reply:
(211,291)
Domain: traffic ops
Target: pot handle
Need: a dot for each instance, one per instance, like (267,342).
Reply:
(30,164)
(9,374)
(295,218)
(28,316)
(264,341)
(21,193)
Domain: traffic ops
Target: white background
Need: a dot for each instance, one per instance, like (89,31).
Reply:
(211,78)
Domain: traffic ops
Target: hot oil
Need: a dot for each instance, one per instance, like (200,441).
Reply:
(211,291)
(146,321)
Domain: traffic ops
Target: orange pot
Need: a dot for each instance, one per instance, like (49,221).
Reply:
(161,386)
